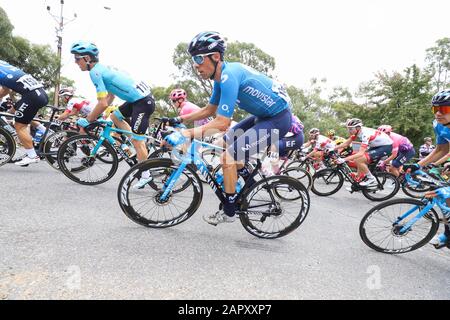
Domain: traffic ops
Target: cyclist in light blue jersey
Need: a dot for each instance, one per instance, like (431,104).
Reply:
(235,85)
(441,109)
(109,82)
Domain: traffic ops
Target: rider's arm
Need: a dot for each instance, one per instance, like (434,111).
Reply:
(102,104)
(67,114)
(392,156)
(203,113)
(440,151)
(4,92)
(344,145)
(110,98)
(219,124)
(442,160)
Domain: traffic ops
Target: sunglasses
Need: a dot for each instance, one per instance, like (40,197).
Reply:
(77,58)
(442,110)
(200,58)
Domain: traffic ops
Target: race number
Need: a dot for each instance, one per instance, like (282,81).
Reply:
(29,82)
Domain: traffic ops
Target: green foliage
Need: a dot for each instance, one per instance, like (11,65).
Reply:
(438,59)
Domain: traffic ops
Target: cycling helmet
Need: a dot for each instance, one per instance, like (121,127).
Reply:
(331,133)
(314,131)
(207,42)
(385,128)
(353,123)
(85,48)
(178,94)
(66,92)
(441,99)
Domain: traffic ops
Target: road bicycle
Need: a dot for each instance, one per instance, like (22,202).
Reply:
(270,208)
(46,148)
(93,158)
(404,225)
(328,181)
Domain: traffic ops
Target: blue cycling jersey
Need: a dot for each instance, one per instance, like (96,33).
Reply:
(15,79)
(110,80)
(442,133)
(250,90)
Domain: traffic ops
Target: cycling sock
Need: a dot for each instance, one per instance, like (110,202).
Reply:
(229,208)
(31,153)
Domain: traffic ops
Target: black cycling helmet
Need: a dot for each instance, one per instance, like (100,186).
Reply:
(207,42)
(441,99)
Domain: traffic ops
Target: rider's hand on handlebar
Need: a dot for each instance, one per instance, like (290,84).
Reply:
(172,121)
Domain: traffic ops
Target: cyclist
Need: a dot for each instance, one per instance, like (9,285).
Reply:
(321,145)
(235,84)
(33,97)
(441,109)
(331,134)
(426,148)
(109,82)
(184,107)
(402,152)
(75,106)
(374,146)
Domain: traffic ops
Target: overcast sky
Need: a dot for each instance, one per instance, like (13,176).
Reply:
(345,41)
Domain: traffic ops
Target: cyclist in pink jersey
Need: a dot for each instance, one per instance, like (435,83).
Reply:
(402,150)
(184,107)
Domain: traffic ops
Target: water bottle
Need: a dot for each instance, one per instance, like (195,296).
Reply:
(38,136)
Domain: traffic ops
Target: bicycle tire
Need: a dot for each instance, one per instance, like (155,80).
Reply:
(85,164)
(158,168)
(393,231)
(327,175)
(415,193)
(384,178)
(299,174)
(7,146)
(260,223)
(54,141)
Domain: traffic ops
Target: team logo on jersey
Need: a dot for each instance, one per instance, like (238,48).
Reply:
(19,114)
(10,76)
(224,78)
(225,108)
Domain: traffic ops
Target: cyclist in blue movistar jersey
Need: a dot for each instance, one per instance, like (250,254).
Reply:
(235,84)
(33,97)
(441,109)
(109,82)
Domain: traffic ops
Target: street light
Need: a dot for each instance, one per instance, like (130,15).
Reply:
(59,38)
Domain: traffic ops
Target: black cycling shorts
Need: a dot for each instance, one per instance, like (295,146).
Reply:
(28,106)
(139,112)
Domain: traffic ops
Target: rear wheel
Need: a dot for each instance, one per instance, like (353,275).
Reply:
(327,182)
(7,146)
(388,186)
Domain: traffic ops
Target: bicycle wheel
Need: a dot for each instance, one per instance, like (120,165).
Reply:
(302,164)
(327,182)
(7,146)
(380,229)
(416,192)
(76,162)
(387,188)
(267,215)
(299,174)
(52,144)
(212,159)
(145,206)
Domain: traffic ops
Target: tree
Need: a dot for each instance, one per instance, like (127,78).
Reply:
(438,58)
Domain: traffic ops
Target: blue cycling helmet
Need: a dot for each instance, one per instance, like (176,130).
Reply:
(207,42)
(441,99)
(85,48)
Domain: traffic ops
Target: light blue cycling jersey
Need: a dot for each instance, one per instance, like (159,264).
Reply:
(442,133)
(15,79)
(110,80)
(250,90)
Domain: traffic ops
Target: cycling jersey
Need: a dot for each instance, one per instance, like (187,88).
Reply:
(297,126)
(110,80)
(84,107)
(250,90)
(188,108)
(15,79)
(323,143)
(371,138)
(442,133)
(400,143)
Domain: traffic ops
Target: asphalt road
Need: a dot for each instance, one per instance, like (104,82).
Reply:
(61,240)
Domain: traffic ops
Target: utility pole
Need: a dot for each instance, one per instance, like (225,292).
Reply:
(59,40)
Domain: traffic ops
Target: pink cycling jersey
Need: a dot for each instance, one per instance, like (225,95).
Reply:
(401,143)
(188,108)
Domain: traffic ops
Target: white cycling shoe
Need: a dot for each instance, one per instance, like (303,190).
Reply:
(142,183)
(27,161)
(218,217)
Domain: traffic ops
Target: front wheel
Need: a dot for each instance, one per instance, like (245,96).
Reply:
(382,230)
(327,182)
(53,143)
(77,161)
(147,207)
(274,207)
